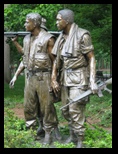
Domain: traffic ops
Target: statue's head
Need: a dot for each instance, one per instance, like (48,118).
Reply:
(67,15)
(35,17)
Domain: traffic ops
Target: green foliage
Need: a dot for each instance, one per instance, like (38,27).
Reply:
(63,145)
(97,18)
(17,14)
(64,129)
(16,135)
(60,117)
(97,138)
(14,11)
(12,121)
(101,107)
(15,95)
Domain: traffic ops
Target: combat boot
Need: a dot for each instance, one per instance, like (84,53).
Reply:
(72,137)
(40,131)
(57,133)
(48,138)
(79,142)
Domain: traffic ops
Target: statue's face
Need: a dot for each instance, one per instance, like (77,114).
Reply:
(60,22)
(29,25)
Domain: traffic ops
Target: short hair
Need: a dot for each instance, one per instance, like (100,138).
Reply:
(67,15)
(35,17)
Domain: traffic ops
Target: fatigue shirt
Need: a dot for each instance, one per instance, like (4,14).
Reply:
(35,51)
(75,70)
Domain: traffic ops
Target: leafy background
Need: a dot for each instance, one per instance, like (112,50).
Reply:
(97,18)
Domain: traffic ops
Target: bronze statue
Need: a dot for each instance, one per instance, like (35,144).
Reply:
(37,59)
(40,131)
(76,65)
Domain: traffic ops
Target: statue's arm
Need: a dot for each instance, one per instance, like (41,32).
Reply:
(17,45)
(17,73)
(54,82)
(92,61)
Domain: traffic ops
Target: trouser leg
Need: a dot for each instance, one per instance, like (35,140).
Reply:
(72,137)
(48,137)
(40,131)
(48,110)
(57,133)
(65,113)
(80,139)
(50,124)
(75,114)
(78,119)
(30,104)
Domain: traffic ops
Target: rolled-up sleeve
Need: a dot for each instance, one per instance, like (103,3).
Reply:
(86,44)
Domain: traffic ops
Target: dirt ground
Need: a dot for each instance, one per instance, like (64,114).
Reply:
(19,111)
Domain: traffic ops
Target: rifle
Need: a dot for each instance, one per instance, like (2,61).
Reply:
(23,33)
(101,86)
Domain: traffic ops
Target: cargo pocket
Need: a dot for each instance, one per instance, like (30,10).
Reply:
(74,77)
(41,61)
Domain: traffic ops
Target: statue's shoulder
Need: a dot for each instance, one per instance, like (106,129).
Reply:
(82,31)
(48,35)
(27,37)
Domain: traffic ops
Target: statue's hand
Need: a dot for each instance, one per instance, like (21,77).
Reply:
(14,39)
(11,84)
(55,86)
(94,87)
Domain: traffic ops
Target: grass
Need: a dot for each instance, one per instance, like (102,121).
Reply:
(98,108)
(16,94)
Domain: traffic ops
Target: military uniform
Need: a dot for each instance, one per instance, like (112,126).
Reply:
(74,76)
(37,90)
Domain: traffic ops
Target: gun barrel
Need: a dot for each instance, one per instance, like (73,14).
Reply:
(13,34)
(101,86)
(54,33)
(23,33)
(108,90)
(109,81)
